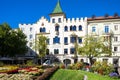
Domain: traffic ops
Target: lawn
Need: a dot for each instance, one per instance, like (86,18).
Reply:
(63,74)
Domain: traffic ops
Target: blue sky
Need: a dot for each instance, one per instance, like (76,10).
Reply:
(29,11)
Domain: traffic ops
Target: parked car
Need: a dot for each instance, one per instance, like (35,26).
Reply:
(50,63)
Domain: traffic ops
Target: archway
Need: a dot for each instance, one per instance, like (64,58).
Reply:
(66,61)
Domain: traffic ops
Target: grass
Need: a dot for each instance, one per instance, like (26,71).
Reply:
(62,74)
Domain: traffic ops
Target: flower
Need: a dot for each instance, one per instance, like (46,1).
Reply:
(113,74)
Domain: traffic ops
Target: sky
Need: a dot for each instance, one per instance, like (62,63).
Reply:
(15,12)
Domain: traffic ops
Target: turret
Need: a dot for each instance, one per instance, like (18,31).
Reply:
(57,16)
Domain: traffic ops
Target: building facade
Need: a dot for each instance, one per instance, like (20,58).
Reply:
(63,33)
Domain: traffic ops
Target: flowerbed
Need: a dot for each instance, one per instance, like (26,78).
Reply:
(9,69)
(15,77)
(31,71)
(25,72)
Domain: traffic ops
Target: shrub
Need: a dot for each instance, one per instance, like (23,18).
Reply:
(103,68)
(1,63)
(30,63)
(62,66)
(76,66)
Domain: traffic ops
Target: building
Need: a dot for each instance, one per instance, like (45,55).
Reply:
(63,33)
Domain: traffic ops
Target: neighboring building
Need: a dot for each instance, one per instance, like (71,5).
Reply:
(63,33)
(109,28)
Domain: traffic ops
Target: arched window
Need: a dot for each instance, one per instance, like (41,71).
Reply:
(65,28)
(74,28)
(43,30)
(40,29)
(57,28)
(80,28)
(71,28)
(56,40)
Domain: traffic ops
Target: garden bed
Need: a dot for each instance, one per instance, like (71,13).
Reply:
(26,72)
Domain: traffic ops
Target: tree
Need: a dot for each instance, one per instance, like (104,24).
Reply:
(94,47)
(41,46)
(12,42)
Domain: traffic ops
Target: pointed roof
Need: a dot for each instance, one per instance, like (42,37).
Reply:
(58,8)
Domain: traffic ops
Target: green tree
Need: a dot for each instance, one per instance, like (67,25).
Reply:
(41,46)
(12,42)
(94,47)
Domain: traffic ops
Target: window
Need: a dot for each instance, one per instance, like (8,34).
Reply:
(70,28)
(30,28)
(65,51)
(115,39)
(93,29)
(53,20)
(80,28)
(40,29)
(72,39)
(115,48)
(59,20)
(65,28)
(116,27)
(56,51)
(30,36)
(43,30)
(72,50)
(74,28)
(30,44)
(65,40)
(106,29)
(105,60)
(56,40)
(79,40)
(22,29)
(56,28)
(47,41)
(106,38)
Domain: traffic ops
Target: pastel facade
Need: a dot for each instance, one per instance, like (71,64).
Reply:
(62,33)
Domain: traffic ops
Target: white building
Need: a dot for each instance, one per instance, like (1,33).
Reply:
(62,33)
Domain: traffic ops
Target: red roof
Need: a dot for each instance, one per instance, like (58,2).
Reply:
(103,18)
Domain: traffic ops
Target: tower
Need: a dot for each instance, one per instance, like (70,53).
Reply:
(56,30)
(57,15)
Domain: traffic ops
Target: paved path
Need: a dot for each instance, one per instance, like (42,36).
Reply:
(85,77)
(119,70)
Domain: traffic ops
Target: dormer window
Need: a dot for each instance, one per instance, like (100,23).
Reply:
(59,20)
(53,20)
